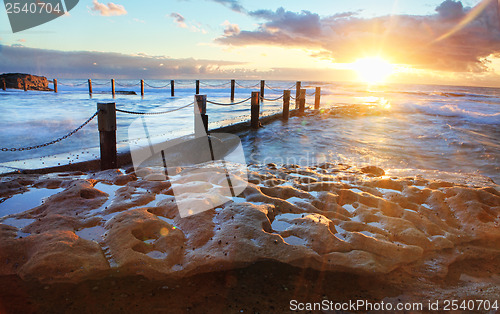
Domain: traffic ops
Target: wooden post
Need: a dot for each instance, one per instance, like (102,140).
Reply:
(90,87)
(255,111)
(172,91)
(200,108)
(286,104)
(317,98)
(106,121)
(262,87)
(302,101)
(142,88)
(4,87)
(233,82)
(297,93)
(25,85)
(55,85)
(113,87)
(197,86)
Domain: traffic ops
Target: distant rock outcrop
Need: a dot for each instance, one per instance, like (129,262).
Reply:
(17,81)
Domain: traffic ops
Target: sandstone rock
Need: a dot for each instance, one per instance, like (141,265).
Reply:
(133,227)
(18,80)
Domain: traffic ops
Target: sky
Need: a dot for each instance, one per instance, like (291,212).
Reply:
(433,42)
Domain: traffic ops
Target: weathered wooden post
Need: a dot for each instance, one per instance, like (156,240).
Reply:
(262,87)
(113,87)
(4,86)
(233,82)
(317,98)
(297,93)
(302,101)
(142,88)
(172,88)
(55,85)
(90,87)
(25,85)
(200,108)
(286,104)
(106,120)
(197,86)
(255,111)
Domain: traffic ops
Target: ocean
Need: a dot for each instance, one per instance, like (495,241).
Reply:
(439,131)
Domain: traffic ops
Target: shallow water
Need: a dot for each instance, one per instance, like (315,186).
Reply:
(444,128)
(22,202)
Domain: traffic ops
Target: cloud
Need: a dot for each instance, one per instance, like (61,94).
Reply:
(404,39)
(182,23)
(230,29)
(179,19)
(91,64)
(450,9)
(111,9)
(232,4)
(22,40)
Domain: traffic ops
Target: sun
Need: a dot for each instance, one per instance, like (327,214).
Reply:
(373,70)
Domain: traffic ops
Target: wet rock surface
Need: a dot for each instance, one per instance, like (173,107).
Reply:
(329,217)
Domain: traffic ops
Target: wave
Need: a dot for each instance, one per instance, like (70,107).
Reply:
(456,111)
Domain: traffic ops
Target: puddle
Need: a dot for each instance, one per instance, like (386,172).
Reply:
(167,220)
(107,188)
(295,200)
(237,199)
(18,223)
(293,240)
(111,191)
(158,199)
(157,255)
(367,233)
(22,202)
(356,190)
(340,233)
(280,225)
(426,206)
(349,207)
(92,234)
(384,191)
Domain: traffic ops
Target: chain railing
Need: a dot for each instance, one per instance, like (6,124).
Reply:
(72,85)
(20,149)
(215,85)
(158,87)
(229,104)
(243,86)
(273,99)
(127,85)
(154,113)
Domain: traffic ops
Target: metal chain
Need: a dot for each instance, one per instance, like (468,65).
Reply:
(216,85)
(100,84)
(156,86)
(154,113)
(243,86)
(184,84)
(310,94)
(72,85)
(272,88)
(266,99)
(128,85)
(230,104)
(51,142)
